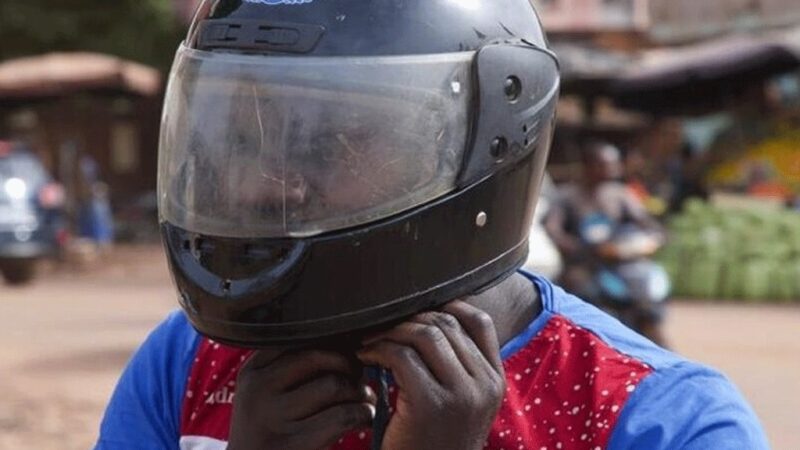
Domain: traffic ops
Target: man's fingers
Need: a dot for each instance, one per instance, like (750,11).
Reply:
(468,353)
(480,328)
(291,369)
(324,392)
(433,347)
(260,359)
(295,368)
(323,429)
(407,367)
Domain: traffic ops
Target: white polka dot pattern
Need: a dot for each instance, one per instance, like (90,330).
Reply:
(566,389)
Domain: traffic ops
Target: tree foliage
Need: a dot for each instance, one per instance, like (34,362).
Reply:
(141,30)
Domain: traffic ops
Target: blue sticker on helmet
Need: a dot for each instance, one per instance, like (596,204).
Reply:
(279,2)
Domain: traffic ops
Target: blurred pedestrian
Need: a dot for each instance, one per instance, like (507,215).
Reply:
(585,224)
(686,172)
(96,221)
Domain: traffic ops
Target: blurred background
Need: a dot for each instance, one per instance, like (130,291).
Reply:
(702,99)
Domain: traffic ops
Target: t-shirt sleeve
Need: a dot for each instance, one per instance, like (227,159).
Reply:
(687,407)
(144,411)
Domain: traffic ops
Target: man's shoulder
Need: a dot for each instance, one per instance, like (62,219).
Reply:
(176,335)
(207,375)
(170,350)
(705,410)
(174,330)
(570,309)
(648,380)
(147,400)
(629,358)
(568,382)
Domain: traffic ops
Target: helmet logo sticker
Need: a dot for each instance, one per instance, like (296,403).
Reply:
(279,2)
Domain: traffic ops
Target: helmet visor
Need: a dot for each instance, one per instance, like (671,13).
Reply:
(255,146)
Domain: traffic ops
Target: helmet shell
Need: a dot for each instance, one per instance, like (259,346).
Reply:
(256,292)
(379,27)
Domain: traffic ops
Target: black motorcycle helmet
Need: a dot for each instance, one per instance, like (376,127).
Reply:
(327,166)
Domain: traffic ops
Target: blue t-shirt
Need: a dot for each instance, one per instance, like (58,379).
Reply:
(667,403)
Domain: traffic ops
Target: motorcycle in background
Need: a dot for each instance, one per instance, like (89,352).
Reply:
(625,281)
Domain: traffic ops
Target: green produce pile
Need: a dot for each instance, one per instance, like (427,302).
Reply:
(731,254)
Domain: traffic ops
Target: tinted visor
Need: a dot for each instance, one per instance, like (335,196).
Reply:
(276,146)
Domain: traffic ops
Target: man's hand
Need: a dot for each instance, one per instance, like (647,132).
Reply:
(450,377)
(298,401)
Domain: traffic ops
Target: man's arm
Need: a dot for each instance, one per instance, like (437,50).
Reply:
(144,411)
(687,407)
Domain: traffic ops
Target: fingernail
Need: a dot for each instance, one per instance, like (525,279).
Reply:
(369,392)
(371,410)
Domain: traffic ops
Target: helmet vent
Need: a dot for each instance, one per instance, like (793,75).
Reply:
(499,147)
(258,35)
(512,88)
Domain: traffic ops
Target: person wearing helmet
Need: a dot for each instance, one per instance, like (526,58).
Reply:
(345,193)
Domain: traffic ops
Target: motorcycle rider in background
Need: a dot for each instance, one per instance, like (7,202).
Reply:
(607,237)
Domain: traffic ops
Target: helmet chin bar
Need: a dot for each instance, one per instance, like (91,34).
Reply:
(274,292)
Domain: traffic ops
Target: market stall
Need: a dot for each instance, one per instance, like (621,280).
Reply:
(704,77)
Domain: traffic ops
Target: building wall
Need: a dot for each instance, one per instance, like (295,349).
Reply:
(119,133)
(681,20)
(591,15)
(666,20)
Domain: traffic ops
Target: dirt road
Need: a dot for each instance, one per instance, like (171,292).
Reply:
(66,338)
